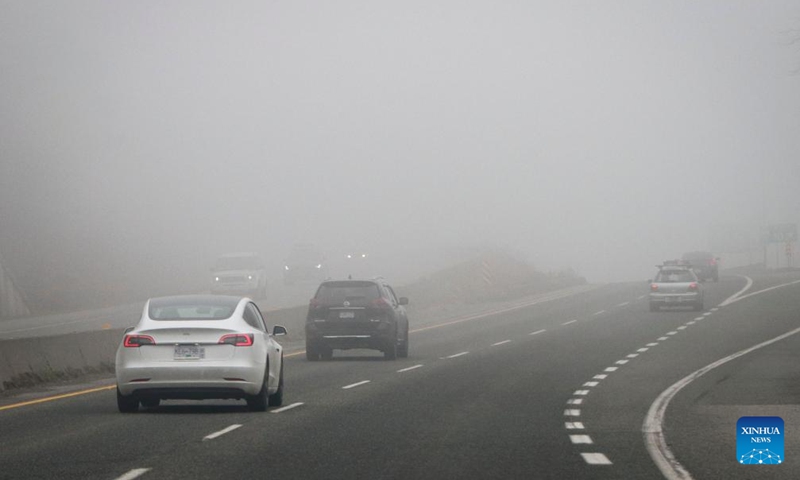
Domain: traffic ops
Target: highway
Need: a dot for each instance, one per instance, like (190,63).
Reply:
(562,388)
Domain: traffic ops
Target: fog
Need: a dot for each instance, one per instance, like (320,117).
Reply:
(141,139)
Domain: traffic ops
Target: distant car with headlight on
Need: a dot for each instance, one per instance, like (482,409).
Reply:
(200,347)
(305,264)
(239,274)
(676,285)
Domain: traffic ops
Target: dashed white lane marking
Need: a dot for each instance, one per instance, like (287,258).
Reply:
(632,355)
(501,343)
(353,385)
(537,332)
(135,473)
(623,304)
(641,297)
(599,313)
(691,322)
(707,314)
(591,384)
(572,413)
(600,376)
(643,349)
(610,369)
(287,407)
(697,319)
(576,439)
(652,344)
(574,401)
(574,425)
(581,392)
(621,362)
(595,459)
(661,339)
(714,309)
(682,327)
(458,355)
(567,323)
(672,333)
(409,368)
(222,432)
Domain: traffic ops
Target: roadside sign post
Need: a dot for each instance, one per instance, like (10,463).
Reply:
(785,233)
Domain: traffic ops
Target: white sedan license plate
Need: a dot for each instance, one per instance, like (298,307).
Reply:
(189,352)
(347,314)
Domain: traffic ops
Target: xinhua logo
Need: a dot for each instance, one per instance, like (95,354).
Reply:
(759,440)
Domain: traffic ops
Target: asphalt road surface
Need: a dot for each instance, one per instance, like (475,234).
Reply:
(560,389)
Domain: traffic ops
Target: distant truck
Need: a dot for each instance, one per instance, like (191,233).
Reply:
(305,264)
(239,274)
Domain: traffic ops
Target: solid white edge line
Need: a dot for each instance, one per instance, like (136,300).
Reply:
(362,382)
(764,290)
(501,343)
(287,407)
(135,473)
(735,296)
(654,438)
(222,432)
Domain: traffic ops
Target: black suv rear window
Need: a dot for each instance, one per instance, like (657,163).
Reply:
(353,292)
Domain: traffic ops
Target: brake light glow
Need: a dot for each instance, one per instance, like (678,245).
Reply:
(134,341)
(237,339)
(693,286)
(653,287)
(380,303)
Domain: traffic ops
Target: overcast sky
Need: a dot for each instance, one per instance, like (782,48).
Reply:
(601,136)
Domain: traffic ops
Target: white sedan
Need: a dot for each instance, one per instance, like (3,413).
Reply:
(199,347)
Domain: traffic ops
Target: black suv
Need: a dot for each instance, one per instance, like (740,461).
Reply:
(704,264)
(347,314)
